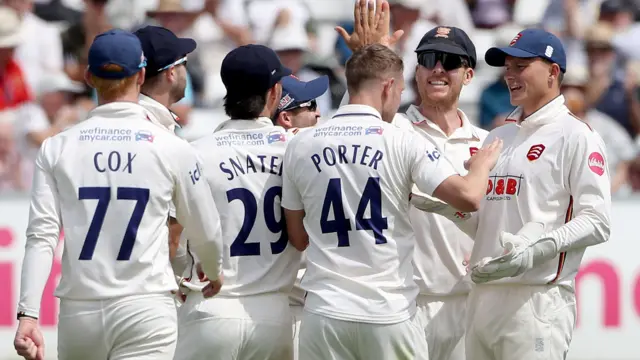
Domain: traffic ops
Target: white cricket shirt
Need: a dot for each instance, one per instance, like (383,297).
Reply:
(442,249)
(245,158)
(109,182)
(552,170)
(352,176)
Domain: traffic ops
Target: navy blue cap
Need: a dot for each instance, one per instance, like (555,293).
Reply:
(296,92)
(162,48)
(251,70)
(530,43)
(117,47)
(448,39)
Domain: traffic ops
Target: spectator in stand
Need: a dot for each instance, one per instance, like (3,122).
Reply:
(620,147)
(41,48)
(14,87)
(53,112)
(10,164)
(219,29)
(490,14)
(611,90)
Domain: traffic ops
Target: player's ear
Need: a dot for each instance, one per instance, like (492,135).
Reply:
(388,87)
(141,75)
(284,120)
(87,78)
(468,75)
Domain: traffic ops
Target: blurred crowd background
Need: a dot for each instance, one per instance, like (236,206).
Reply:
(43,56)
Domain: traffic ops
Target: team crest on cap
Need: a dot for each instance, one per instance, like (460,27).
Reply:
(285,101)
(515,39)
(443,32)
(535,152)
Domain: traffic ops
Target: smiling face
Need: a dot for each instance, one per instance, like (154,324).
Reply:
(528,80)
(440,87)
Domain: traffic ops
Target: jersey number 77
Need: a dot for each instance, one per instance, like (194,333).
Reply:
(103,195)
(371,197)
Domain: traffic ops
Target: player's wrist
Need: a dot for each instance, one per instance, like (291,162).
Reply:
(27,316)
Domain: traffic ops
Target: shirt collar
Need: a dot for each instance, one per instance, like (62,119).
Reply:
(162,116)
(235,124)
(120,110)
(465,132)
(542,116)
(358,110)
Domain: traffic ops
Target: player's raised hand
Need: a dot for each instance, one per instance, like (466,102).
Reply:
(29,342)
(487,156)
(372,22)
(383,28)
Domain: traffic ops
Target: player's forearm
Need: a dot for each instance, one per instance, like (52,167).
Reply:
(38,259)
(209,254)
(470,226)
(180,261)
(587,229)
(476,186)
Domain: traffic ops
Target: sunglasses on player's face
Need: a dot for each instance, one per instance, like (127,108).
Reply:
(449,61)
(311,105)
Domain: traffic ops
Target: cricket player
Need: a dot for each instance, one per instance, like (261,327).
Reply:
(164,85)
(108,183)
(446,59)
(298,110)
(346,194)
(250,317)
(548,198)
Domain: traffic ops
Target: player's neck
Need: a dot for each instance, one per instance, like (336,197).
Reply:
(537,104)
(129,97)
(366,99)
(447,119)
(163,99)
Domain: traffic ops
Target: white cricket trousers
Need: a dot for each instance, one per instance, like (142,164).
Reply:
(444,318)
(296,313)
(254,327)
(141,327)
(524,322)
(323,338)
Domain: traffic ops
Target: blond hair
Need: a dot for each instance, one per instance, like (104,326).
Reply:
(112,89)
(371,62)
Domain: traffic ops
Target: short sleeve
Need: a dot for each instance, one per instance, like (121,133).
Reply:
(429,168)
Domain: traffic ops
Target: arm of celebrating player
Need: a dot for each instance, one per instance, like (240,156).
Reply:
(43,234)
(590,186)
(292,204)
(434,175)
(196,211)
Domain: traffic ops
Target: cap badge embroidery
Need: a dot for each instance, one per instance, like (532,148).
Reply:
(549,51)
(443,32)
(515,39)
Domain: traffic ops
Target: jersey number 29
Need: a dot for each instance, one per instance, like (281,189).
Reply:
(371,197)
(240,246)
(103,195)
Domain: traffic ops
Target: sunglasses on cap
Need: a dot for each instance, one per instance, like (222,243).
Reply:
(181,61)
(311,105)
(449,61)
